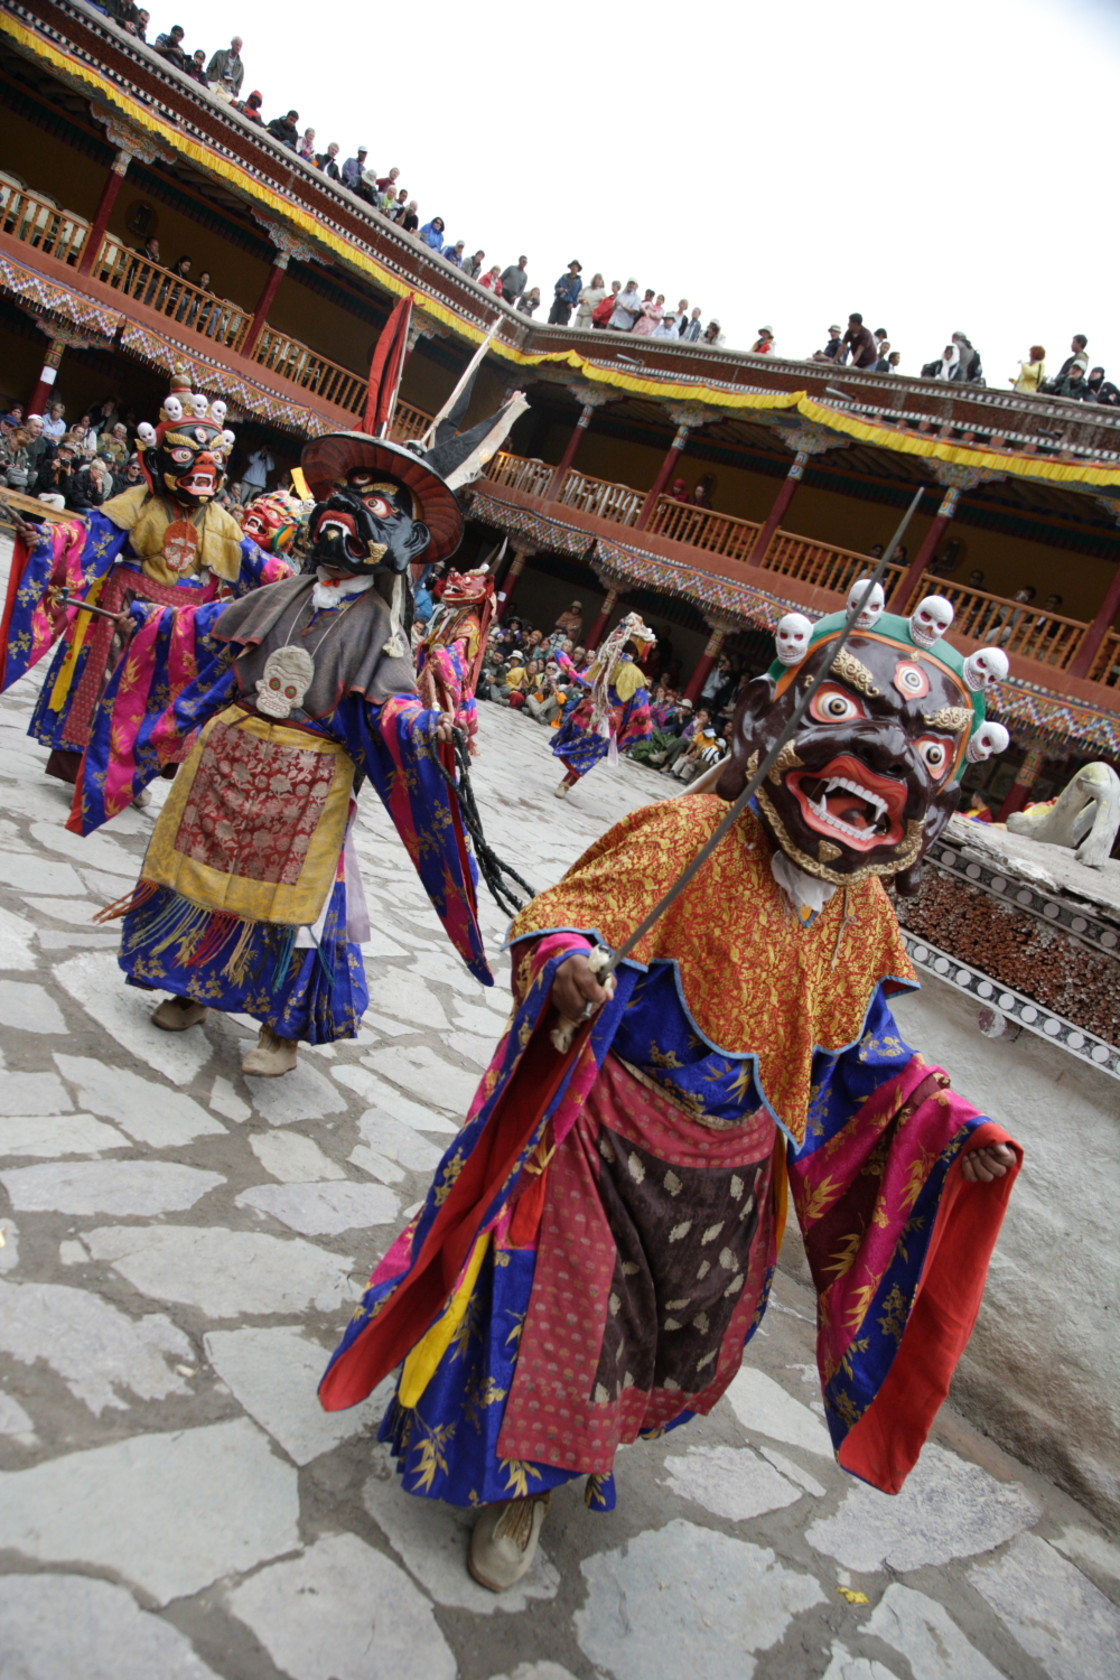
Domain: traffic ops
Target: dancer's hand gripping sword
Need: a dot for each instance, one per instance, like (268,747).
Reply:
(603,962)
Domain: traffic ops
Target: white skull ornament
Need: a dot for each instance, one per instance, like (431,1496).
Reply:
(930,620)
(173,408)
(218,412)
(792,637)
(986,666)
(989,738)
(199,405)
(146,433)
(873,607)
(286,679)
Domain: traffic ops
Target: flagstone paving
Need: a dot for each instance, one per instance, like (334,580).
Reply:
(181,1248)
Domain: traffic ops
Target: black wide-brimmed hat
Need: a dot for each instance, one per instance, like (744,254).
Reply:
(327,460)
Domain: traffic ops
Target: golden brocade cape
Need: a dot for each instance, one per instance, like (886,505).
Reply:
(146,518)
(756,979)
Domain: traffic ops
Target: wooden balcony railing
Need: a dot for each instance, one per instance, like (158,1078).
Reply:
(1016,626)
(534,477)
(313,373)
(601,497)
(717,533)
(821,564)
(189,306)
(1106,666)
(37,221)
(409,422)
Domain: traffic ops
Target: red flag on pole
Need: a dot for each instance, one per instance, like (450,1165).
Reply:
(386,369)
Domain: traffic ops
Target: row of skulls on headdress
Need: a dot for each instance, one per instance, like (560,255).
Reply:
(186,455)
(927,625)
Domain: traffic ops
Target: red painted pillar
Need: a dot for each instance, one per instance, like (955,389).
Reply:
(264,302)
(569,454)
(777,512)
(707,660)
(1023,783)
(104,210)
(1098,630)
(908,582)
(668,466)
(599,628)
(42,392)
(509,583)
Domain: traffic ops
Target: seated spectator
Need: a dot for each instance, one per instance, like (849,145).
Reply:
(832,349)
(115,445)
(492,280)
(54,482)
(858,344)
(544,701)
(354,168)
(432,233)
(1032,372)
(14,416)
(252,107)
(54,426)
(306,147)
(225,71)
(409,221)
(196,67)
(1010,619)
(454,253)
(131,474)
(1074,385)
(764,343)
(667,327)
(40,447)
(15,463)
(170,46)
(712,334)
(514,281)
(678,491)
(589,300)
(1100,390)
(473,265)
(90,486)
(975,579)
(529,302)
(602,312)
(627,308)
(284,129)
(947,367)
(1045,623)
(328,162)
(689,761)
(565,295)
(692,328)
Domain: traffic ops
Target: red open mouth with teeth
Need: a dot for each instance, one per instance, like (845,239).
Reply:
(341,522)
(851,804)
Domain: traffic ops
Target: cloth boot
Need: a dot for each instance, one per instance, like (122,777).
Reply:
(176,1014)
(271,1056)
(504,1541)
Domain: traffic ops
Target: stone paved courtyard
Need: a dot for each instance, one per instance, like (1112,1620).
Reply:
(181,1247)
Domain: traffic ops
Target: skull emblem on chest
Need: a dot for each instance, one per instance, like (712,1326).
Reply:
(286,678)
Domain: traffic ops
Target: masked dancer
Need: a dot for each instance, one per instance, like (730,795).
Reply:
(615,714)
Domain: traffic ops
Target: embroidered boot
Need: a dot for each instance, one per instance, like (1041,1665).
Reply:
(562,791)
(176,1014)
(504,1542)
(271,1056)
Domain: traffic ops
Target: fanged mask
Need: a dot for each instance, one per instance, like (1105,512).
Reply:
(365,525)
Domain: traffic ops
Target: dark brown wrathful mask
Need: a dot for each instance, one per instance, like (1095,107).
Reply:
(367,523)
(868,781)
(188,464)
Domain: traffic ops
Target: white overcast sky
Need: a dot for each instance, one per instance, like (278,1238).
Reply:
(936,167)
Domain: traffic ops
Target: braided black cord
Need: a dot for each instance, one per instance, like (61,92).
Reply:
(490,864)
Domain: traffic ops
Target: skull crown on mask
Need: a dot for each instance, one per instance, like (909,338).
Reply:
(866,784)
(365,525)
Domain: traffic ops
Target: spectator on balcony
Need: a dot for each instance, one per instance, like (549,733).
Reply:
(764,343)
(432,233)
(1074,385)
(514,281)
(948,366)
(354,168)
(170,46)
(702,496)
(388,183)
(603,310)
(971,371)
(1010,618)
(472,266)
(1100,390)
(172,295)
(589,300)
(284,129)
(529,302)
(225,71)
(627,308)
(894,362)
(1032,373)
(692,328)
(252,107)
(832,349)
(328,162)
(653,313)
(880,336)
(196,67)
(667,327)
(883,365)
(678,491)
(975,579)
(454,253)
(409,221)
(306,147)
(1046,625)
(712,334)
(394,205)
(1079,348)
(54,426)
(565,295)
(857,346)
(681,313)
(492,280)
